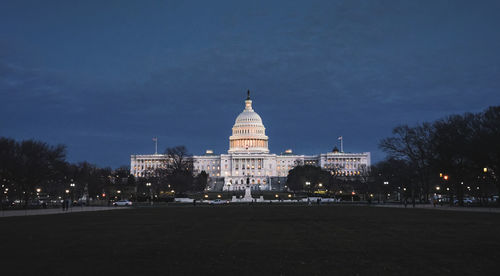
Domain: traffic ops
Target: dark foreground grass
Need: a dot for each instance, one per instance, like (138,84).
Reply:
(276,240)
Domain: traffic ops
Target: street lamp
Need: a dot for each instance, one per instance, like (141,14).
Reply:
(150,192)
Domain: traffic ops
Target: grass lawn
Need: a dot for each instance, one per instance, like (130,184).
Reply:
(268,239)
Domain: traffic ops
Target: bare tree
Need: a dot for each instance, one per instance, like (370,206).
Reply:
(178,159)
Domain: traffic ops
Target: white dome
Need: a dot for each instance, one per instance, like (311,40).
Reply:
(248,117)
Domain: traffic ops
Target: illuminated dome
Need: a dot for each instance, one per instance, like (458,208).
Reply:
(249,133)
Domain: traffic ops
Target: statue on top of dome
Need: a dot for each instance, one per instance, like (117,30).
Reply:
(248,94)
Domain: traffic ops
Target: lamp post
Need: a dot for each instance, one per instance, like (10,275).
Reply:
(481,191)
(386,183)
(445,178)
(150,192)
(72,190)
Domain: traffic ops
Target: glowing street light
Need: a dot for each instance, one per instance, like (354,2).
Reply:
(485,169)
(38,190)
(67,191)
(445,177)
(438,188)
(386,182)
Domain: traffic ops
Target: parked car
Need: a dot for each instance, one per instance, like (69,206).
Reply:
(122,202)
(218,201)
(467,201)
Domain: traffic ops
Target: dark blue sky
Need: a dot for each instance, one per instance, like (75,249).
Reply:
(104,77)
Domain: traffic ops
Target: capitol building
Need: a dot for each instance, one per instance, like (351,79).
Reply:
(249,159)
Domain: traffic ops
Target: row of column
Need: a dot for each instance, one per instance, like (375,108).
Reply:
(251,143)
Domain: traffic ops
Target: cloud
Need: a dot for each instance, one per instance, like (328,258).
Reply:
(316,71)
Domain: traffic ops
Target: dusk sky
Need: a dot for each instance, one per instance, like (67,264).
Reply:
(104,77)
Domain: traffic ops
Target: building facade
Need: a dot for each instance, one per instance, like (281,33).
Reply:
(249,160)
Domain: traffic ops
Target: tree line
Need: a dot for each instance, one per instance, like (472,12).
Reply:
(30,170)
(455,156)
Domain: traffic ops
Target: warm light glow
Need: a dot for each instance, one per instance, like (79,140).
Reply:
(67,191)
(440,174)
(485,169)
(119,191)
(276,195)
(38,190)
(320,185)
(206,196)
(438,188)
(353,193)
(289,195)
(219,196)
(445,177)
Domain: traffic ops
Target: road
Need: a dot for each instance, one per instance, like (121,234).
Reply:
(52,211)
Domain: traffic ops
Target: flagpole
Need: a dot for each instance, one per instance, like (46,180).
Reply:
(342,144)
(156,144)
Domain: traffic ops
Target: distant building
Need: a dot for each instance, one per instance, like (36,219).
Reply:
(248,157)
